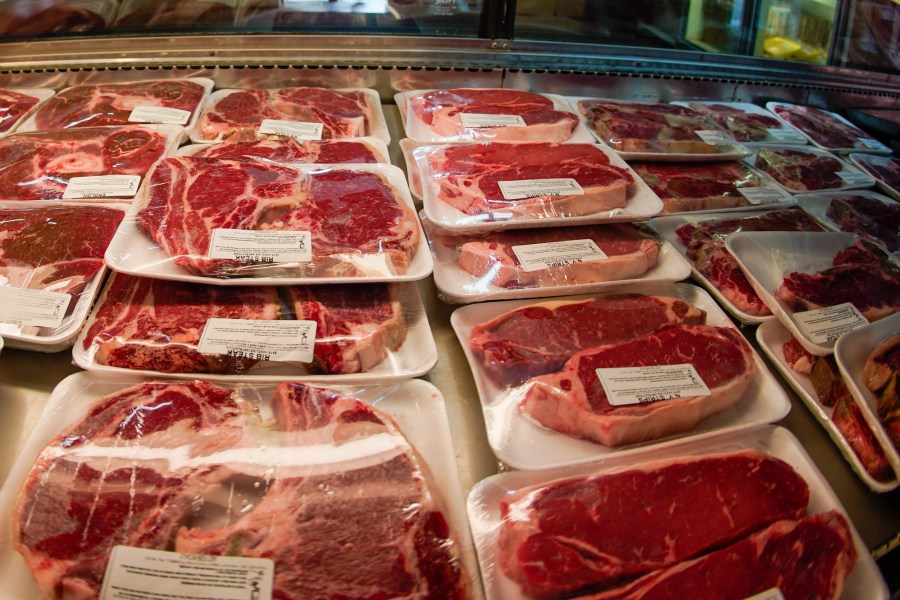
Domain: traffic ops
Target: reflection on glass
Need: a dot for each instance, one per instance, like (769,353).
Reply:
(795,30)
(715,25)
(872,36)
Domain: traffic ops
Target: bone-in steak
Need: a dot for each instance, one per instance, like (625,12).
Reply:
(238,115)
(357,219)
(468,178)
(540,338)
(13,106)
(39,165)
(111,103)
(690,186)
(289,150)
(584,533)
(573,401)
(800,170)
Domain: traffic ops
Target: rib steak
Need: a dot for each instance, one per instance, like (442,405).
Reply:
(800,170)
(358,221)
(13,106)
(685,187)
(289,150)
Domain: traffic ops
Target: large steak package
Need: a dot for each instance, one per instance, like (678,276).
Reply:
(318,480)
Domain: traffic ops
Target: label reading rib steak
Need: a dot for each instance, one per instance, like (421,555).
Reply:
(476,120)
(271,340)
(854,177)
(638,385)
(716,138)
(763,195)
(138,574)
(772,594)
(532,188)
(536,257)
(159,114)
(786,136)
(826,325)
(261,246)
(299,130)
(102,186)
(32,308)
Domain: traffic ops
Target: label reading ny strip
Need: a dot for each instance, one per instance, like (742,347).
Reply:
(261,246)
(159,114)
(141,574)
(102,186)
(763,195)
(32,308)
(854,178)
(532,188)
(300,130)
(826,325)
(535,257)
(639,385)
(259,339)
(475,120)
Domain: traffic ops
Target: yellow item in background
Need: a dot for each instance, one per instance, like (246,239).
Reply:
(779,47)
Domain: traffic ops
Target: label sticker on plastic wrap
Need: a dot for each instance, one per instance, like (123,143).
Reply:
(872,144)
(300,130)
(102,186)
(140,574)
(23,307)
(535,257)
(639,385)
(532,188)
(475,120)
(261,246)
(259,339)
(786,136)
(763,195)
(825,325)
(716,138)
(770,594)
(854,178)
(159,114)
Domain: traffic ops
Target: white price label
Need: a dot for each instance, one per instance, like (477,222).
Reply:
(296,129)
(639,385)
(261,246)
(763,195)
(535,257)
(786,136)
(102,186)
(532,188)
(159,114)
(716,138)
(872,144)
(854,178)
(140,574)
(826,325)
(259,339)
(32,308)
(770,594)
(475,120)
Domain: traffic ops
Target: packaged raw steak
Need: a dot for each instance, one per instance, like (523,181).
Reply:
(873,217)
(489,114)
(882,377)
(280,472)
(174,14)
(225,218)
(30,18)
(307,113)
(746,122)
(16,105)
(885,170)
(169,101)
(41,165)
(160,326)
(809,169)
(826,129)
(290,150)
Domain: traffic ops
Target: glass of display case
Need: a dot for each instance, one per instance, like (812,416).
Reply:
(799,30)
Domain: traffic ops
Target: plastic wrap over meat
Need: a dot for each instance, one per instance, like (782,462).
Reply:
(40,164)
(156,325)
(317,480)
(14,106)
(471,114)
(341,113)
(357,221)
(95,105)
(174,14)
(290,150)
(27,18)
(743,125)
(801,170)
(871,217)
(686,187)
(826,129)
(883,168)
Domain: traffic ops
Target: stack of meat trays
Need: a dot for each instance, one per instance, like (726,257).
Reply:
(517,203)
(68,170)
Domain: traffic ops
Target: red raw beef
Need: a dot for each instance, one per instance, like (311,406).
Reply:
(741,125)
(238,115)
(155,325)
(691,186)
(869,218)
(807,558)
(93,105)
(822,127)
(540,338)
(289,150)
(572,400)
(881,374)
(800,170)
(882,168)
(797,357)
(440,110)
(13,106)
(39,165)
(849,420)
(468,176)
(353,215)
(593,532)
(160,14)
(28,18)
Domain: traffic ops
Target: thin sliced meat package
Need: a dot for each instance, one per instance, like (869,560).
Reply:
(358,223)
(567,536)
(236,115)
(40,164)
(290,150)
(686,187)
(152,466)
(497,180)
(467,114)
(573,401)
